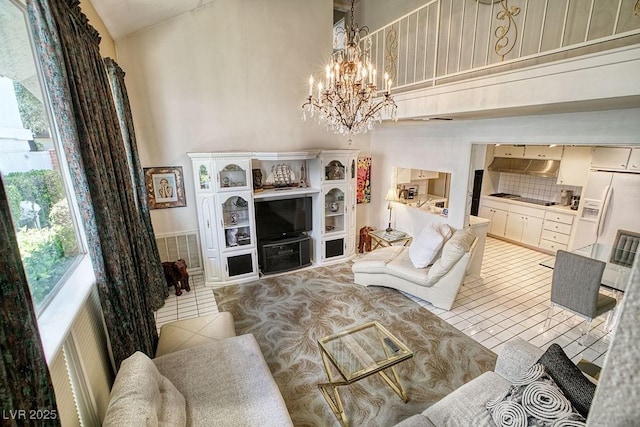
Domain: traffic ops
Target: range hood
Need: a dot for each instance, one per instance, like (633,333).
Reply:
(534,167)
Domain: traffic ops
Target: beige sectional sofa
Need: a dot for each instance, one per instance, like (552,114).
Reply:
(466,406)
(203,375)
(437,283)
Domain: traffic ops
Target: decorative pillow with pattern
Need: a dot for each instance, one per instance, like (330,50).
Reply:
(534,400)
(575,386)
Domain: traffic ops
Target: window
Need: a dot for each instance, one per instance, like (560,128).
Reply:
(30,164)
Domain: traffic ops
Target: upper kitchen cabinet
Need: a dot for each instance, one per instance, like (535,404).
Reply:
(509,151)
(574,166)
(634,160)
(610,158)
(543,152)
(406,175)
(418,174)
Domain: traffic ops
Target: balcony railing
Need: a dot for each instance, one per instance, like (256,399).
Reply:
(450,40)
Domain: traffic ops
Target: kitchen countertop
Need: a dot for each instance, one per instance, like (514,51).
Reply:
(422,198)
(554,208)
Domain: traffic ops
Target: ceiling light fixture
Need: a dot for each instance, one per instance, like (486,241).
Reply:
(347,99)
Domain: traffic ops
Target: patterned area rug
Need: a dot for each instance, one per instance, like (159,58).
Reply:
(288,314)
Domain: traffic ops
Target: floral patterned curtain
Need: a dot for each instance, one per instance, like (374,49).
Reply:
(121,98)
(25,383)
(116,233)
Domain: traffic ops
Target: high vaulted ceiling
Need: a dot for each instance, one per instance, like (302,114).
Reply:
(123,17)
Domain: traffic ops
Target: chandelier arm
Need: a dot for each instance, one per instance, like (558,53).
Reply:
(348,104)
(341,116)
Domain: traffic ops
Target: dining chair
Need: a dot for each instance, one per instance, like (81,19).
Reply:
(575,286)
(625,247)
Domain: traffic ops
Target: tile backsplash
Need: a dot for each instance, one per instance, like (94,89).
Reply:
(534,187)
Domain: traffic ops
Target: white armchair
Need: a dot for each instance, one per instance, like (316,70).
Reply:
(438,283)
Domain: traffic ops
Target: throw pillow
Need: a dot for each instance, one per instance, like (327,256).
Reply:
(445,230)
(455,248)
(578,389)
(534,400)
(424,249)
(142,396)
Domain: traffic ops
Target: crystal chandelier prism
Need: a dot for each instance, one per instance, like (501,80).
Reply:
(347,100)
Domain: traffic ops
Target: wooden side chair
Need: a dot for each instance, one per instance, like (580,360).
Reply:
(575,286)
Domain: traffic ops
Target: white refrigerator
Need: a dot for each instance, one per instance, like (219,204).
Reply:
(609,201)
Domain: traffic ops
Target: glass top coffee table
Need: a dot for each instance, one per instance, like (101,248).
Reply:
(384,238)
(357,353)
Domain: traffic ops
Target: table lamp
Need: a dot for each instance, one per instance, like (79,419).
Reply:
(392,196)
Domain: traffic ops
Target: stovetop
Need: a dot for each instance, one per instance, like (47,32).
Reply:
(518,198)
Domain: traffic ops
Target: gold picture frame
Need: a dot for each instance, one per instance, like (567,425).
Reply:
(165,187)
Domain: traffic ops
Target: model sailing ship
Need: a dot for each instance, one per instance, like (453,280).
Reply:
(281,176)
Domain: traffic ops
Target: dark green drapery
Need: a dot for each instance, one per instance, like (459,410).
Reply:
(127,267)
(25,383)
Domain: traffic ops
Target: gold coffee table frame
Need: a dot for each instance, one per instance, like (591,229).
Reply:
(357,353)
(383,238)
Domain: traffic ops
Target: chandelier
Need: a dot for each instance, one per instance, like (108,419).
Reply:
(347,100)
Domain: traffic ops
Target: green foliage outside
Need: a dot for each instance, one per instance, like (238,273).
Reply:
(63,229)
(41,186)
(48,251)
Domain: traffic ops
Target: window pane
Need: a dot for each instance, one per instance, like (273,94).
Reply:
(29,164)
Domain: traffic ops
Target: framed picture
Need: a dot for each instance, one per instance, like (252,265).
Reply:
(165,187)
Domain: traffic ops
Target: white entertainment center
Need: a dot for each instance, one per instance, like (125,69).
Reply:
(233,250)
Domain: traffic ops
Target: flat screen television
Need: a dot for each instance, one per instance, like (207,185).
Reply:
(283,218)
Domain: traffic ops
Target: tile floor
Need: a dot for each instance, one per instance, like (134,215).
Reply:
(510,298)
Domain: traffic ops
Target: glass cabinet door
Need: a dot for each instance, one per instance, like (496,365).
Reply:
(233,174)
(334,210)
(236,221)
(203,173)
(335,170)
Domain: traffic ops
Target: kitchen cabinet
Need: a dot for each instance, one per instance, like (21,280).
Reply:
(634,160)
(574,166)
(496,212)
(403,175)
(406,175)
(543,152)
(556,231)
(509,151)
(418,174)
(524,224)
(610,158)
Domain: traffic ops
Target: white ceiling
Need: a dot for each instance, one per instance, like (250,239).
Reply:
(123,17)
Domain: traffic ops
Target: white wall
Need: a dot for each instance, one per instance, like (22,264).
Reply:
(229,76)
(447,147)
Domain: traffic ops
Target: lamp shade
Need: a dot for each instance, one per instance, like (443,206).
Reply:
(392,195)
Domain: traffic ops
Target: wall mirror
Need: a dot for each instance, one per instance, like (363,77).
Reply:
(422,189)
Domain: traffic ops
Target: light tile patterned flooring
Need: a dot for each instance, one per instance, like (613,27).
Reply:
(510,298)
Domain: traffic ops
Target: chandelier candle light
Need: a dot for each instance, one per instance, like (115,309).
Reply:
(346,102)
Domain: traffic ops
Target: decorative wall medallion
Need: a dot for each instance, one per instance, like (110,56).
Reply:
(636,8)
(507,34)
